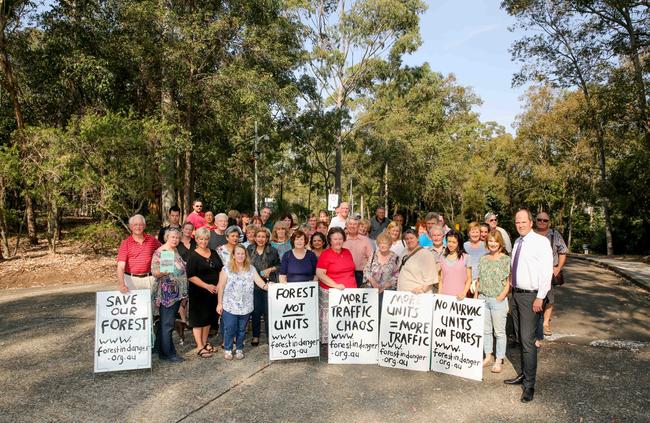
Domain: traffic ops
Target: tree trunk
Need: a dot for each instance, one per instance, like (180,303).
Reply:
(31,220)
(187,183)
(167,167)
(386,187)
(570,234)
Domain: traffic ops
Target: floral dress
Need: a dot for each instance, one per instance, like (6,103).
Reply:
(169,289)
(381,273)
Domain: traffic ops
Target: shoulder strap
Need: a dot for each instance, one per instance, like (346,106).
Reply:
(406,258)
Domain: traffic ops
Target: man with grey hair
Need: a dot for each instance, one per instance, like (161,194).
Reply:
(491,220)
(134,257)
(378,223)
(218,235)
(431,220)
(341,218)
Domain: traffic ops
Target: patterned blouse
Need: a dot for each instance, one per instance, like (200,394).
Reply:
(493,275)
(238,293)
(166,291)
(382,273)
(282,247)
(224,254)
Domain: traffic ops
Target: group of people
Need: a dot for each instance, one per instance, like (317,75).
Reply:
(224,263)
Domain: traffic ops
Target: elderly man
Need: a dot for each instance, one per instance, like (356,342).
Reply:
(174,222)
(341,218)
(218,235)
(134,257)
(197,217)
(378,222)
(360,248)
(265,215)
(491,220)
(431,220)
(399,219)
(560,250)
(532,269)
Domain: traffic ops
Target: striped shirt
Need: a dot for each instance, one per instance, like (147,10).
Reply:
(137,256)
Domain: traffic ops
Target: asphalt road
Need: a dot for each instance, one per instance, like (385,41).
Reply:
(596,367)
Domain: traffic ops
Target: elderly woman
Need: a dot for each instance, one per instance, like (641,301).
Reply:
(364,229)
(437,237)
(250,232)
(298,264)
(335,269)
(203,267)
(318,243)
(266,261)
(169,289)
(187,243)
(455,267)
(394,230)
(209,221)
(236,299)
(280,238)
(493,287)
(417,269)
(475,249)
(232,234)
(382,269)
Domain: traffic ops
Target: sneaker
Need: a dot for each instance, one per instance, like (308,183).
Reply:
(227,355)
(239,354)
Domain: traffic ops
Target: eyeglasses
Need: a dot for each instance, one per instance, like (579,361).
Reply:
(492,220)
(543,220)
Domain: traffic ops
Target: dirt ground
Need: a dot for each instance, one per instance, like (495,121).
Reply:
(34,266)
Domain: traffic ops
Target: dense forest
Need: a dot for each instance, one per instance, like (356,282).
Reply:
(114,107)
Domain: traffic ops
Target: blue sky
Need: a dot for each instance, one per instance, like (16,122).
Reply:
(470,39)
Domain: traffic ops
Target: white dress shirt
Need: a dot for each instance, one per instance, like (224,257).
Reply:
(337,221)
(535,266)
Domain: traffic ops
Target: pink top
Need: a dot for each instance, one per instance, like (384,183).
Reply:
(361,250)
(338,266)
(454,275)
(195,219)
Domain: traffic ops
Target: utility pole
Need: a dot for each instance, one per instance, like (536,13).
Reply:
(255,155)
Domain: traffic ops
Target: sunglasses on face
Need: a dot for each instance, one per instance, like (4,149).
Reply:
(543,220)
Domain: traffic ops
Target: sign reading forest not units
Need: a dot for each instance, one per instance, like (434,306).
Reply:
(405,333)
(353,326)
(293,320)
(123,330)
(457,344)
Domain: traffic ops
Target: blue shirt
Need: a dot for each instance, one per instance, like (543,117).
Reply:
(298,270)
(475,255)
(425,241)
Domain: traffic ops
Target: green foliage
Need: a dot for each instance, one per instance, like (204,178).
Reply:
(100,238)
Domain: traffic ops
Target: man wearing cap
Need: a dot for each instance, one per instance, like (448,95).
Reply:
(491,220)
(532,270)
(134,257)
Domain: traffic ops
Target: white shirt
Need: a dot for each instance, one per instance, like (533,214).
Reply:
(337,222)
(398,248)
(507,244)
(535,266)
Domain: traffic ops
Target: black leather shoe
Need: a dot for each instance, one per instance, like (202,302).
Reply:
(516,381)
(528,394)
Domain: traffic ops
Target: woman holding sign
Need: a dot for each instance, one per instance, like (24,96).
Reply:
(418,272)
(455,267)
(493,287)
(203,267)
(266,261)
(335,269)
(169,289)
(236,299)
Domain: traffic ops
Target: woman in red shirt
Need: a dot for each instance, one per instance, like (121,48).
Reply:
(335,269)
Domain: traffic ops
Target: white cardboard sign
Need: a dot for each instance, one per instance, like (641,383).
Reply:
(353,326)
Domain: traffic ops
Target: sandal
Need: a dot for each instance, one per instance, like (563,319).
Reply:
(547,330)
(204,353)
(209,347)
(498,366)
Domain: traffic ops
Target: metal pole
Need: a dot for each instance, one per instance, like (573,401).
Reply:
(255,162)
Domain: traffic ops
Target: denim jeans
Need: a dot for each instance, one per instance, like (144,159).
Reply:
(260,308)
(164,343)
(234,325)
(496,313)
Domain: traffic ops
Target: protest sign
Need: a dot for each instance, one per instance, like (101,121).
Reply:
(405,332)
(123,330)
(353,326)
(457,343)
(293,320)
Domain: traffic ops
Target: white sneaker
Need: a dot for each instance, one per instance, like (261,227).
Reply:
(239,354)
(227,355)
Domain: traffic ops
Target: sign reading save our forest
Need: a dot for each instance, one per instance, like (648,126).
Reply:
(123,330)
(293,320)
(353,326)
